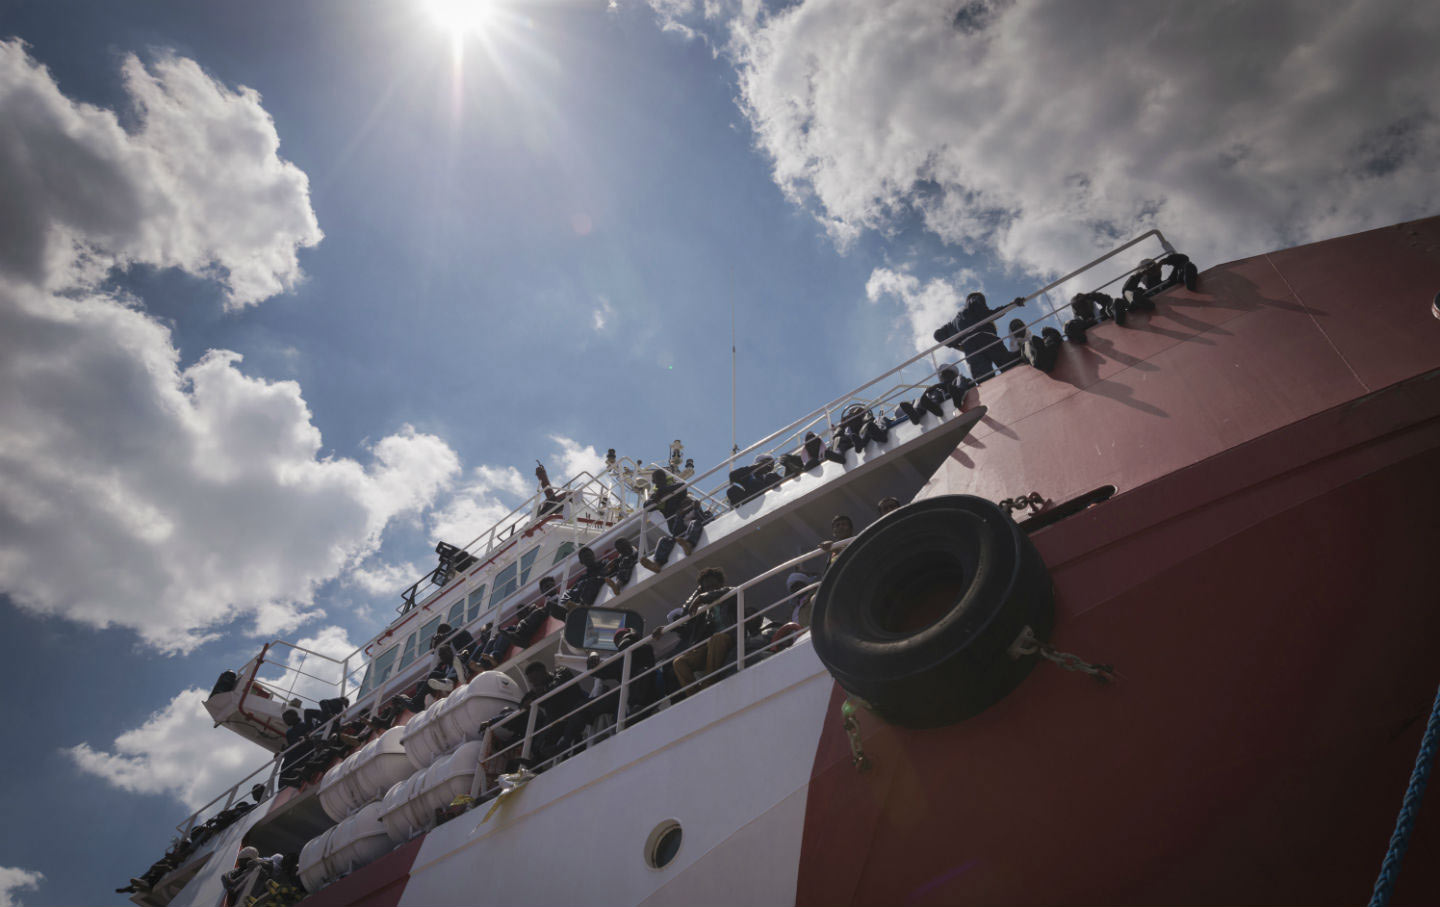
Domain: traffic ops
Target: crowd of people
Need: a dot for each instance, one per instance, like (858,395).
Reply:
(974,333)
(184,846)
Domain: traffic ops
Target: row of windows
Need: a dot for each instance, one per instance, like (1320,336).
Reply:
(463,611)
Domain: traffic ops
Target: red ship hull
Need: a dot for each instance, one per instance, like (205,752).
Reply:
(1264,583)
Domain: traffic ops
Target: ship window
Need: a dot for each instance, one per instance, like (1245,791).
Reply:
(663,844)
(527,560)
(379,670)
(473,603)
(457,613)
(427,633)
(409,655)
(505,584)
(566,549)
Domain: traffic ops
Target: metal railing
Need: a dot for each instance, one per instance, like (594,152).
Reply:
(607,498)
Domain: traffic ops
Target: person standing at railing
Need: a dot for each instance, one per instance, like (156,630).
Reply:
(714,603)
(554,712)
(842,528)
(984,353)
(554,500)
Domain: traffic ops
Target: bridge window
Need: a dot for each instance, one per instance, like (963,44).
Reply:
(566,549)
(505,584)
(527,560)
(473,603)
(427,633)
(456,617)
(409,655)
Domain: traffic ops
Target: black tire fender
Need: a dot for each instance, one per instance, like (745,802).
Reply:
(917,615)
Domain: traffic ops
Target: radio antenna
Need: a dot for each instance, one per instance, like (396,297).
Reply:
(734,445)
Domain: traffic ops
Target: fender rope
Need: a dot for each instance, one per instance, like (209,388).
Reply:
(510,785)
(1414,793)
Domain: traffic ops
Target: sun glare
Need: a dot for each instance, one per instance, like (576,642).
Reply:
(460,17)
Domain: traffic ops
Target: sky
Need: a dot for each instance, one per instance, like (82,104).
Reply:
(292,289)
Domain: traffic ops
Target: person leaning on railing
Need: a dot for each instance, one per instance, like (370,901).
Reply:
(1146,281)
(984,353)
(712,602)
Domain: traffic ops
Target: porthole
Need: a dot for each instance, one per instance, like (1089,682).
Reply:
(663,844)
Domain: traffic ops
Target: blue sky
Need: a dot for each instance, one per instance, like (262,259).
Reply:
(289,291)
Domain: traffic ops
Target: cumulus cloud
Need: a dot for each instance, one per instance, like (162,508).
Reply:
(383,578)
(134,491)
(176,752)
(13,880)
(138,493)
(196,184)
(1043,132)
(926,305)
(576,458)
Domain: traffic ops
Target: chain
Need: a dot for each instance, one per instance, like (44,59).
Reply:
(1034,501)
(852,730)
(1027,643)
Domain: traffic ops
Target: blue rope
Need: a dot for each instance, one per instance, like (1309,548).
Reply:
(1400,839)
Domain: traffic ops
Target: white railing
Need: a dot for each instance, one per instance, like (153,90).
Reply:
(609,499)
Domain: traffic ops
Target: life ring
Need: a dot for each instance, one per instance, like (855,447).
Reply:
(917,615)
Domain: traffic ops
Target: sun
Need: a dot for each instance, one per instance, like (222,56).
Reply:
(460,17)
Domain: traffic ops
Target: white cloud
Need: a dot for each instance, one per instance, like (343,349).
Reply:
(601,315)
(137,493)
(494,491)
(575,458)
(134,492)
(13,879)
(197,184)
(384,579)
(1045,132)
(177,751)
(927,305)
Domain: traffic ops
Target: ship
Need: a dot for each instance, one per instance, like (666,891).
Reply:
(1156,623)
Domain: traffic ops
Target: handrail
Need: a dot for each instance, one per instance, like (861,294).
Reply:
(629,518)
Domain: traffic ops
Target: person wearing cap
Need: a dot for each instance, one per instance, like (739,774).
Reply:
(460,640)
(1146,280)
(984,353)
(796,581)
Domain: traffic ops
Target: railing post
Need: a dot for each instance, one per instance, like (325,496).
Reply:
(525,751)
(739,631)
(624,691)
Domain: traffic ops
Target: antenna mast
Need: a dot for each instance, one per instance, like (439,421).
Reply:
(734,445)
